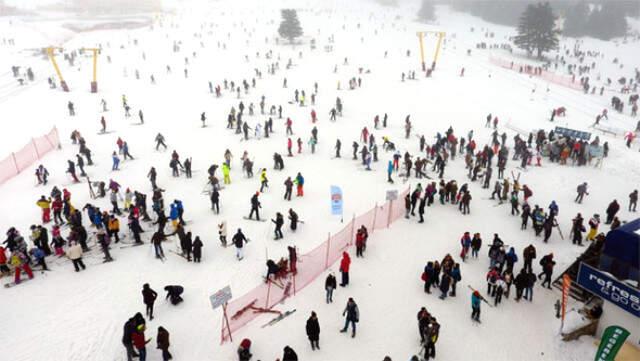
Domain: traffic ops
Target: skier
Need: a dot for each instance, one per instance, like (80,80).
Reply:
(160,142)
(313,331)
(293,218)
(476,298)
(329,286)
(71,169)
(42,174)
(279,221)
(582,190)
(264,182)
(352,316)
(345,264)
(239,240)
(148,298)
(116,161)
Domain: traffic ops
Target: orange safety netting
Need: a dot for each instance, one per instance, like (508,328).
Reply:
(36,149)
(564,80)
(309,266)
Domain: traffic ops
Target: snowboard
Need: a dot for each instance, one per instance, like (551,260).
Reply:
(12,284)
(256,220)
(279,318)
(107,132)
(132,245)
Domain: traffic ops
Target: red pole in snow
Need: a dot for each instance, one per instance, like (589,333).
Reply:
(226,319)
(375,215)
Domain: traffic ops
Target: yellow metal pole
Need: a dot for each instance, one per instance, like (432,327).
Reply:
(51,55)
(95,65)
(435,57)
(421,36)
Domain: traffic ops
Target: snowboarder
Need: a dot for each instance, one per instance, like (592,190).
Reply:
(582,190)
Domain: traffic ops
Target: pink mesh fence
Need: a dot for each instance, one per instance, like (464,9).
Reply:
(564,80)
(31,152)
(310,265)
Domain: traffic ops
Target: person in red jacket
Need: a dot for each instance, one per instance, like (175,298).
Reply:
(344,269)
(139,342)
(359,243)
(289,146)
(57,205)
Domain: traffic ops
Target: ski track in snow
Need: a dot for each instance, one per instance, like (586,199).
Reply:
(63,315)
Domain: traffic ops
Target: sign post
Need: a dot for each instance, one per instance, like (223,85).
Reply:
(336,202)
(218,299)
(566,284)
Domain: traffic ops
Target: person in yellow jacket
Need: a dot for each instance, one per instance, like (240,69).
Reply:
(264,182)
(114,228)
(45,205)
(225,173)
(20,265)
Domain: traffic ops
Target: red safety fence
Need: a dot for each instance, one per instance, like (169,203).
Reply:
(31,152)
(263,298)
(564,80)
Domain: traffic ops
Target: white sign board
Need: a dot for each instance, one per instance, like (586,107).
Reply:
(221,297)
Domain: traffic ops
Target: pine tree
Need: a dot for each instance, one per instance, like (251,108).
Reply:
(576,21)
(290,26)
(427,11)
(536,30)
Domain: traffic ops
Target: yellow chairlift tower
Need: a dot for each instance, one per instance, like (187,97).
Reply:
(94,83)
(421,35)
(52,56)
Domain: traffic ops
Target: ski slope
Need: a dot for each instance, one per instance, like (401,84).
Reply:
(61,315)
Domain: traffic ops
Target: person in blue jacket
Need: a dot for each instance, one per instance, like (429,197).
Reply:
(476,298)
(299,181)
(553,209)
(116,161)
(173,215)
(511,258)
(180,209)
(389,171)
(455,278)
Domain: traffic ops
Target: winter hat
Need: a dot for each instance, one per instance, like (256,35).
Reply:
(476,293)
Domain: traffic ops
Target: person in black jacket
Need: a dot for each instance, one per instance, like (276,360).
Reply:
(149,298)
(197,249)
(279,221)
(239,240)
(255,204)
(174,292)
(330,284)
(289,354)
(352,316)
(313,331)
(129,327)
(215,200)
(293,217)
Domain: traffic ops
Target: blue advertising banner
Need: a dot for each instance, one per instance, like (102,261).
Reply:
(610,289)
(572,133)
(336,200)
